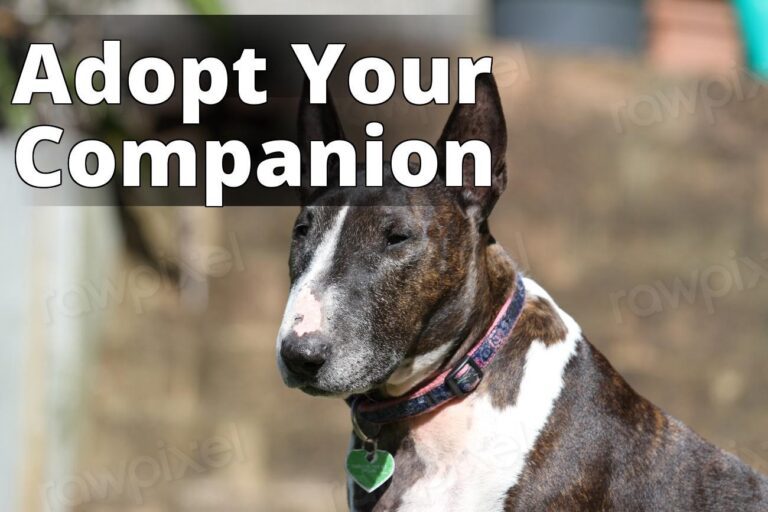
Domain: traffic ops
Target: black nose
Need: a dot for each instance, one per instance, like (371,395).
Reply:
(303,357)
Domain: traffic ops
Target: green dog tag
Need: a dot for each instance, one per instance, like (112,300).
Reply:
(370,475)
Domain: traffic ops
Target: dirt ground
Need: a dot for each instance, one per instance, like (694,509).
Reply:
(637,202)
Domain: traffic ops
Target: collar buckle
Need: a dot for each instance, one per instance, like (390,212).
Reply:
(453,382)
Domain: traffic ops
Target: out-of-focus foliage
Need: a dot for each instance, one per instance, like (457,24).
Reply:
(205,6)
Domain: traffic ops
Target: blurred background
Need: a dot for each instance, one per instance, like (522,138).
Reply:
(137,370)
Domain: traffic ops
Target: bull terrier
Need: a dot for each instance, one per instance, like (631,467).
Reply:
(471,389)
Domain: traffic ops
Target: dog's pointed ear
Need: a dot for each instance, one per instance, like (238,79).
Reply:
(483,121)
(316,122)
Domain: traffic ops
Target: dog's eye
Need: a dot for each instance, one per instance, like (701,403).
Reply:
(396,238)
(300,231)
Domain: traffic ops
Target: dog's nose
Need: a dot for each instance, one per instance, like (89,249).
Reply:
(303,357)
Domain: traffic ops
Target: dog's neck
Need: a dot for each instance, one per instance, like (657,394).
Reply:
(495,283)
(491,431)
(490,281)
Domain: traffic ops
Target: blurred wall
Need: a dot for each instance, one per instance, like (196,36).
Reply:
(14,299)
(51,254)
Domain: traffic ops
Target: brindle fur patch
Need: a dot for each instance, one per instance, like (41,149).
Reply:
(540,322)
(607,448)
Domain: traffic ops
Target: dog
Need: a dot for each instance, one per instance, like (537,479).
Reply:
(482,390)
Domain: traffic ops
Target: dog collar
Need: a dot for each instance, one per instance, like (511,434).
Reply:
(455,382)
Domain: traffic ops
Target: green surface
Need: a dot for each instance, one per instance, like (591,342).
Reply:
(370,475)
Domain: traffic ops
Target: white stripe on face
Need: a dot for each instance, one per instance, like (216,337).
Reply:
(305,311)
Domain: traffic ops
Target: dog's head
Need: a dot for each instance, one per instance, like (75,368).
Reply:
(381,293)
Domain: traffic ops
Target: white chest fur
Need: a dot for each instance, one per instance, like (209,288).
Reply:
(473,452)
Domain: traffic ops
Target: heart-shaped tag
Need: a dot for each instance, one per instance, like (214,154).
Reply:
(370,475)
